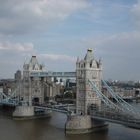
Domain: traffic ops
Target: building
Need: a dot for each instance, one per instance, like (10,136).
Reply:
(18,76)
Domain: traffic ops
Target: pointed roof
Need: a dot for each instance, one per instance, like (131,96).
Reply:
(89,55)
(33,64)
(33,60)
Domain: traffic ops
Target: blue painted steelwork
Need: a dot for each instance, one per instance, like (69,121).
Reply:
(121,115)
(102,96)
(120,101)
(57,108)
(8,100)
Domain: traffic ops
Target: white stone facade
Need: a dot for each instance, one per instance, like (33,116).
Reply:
(33,86)
(87,69)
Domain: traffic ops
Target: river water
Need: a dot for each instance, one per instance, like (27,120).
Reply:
(53,129)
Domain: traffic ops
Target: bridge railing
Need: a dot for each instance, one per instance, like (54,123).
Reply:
(57,108)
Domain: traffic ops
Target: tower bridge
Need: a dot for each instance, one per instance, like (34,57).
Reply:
(91,103)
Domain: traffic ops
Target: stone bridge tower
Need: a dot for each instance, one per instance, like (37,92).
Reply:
(33,87)
(87,69)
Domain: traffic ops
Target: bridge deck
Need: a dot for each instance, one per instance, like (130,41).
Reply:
(126,120)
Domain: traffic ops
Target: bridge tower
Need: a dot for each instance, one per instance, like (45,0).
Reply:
(33,86)
(32,89)
(87,69)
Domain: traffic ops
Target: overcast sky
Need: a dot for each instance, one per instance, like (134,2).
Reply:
(58,31)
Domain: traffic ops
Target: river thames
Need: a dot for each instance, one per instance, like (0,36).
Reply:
(53,129)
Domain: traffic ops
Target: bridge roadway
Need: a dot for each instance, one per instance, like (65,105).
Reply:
(116,117)
(57,108)
(109,116)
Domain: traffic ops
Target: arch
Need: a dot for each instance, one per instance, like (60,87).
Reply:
(35,100)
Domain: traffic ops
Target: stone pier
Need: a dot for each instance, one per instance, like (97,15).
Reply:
(23,111)
(83,124)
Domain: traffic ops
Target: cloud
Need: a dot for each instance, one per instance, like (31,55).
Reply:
(120,40)
(120,54)
(18,47)
(57,57)
(13,56)
(135,14)
(104,12)
(57,62)
(103,25)
(24,16)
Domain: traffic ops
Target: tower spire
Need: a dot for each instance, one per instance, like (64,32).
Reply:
(89,55)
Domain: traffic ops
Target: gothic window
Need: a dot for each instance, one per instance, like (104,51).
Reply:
(94,64)
(94,75)
(81,73)
(90,64)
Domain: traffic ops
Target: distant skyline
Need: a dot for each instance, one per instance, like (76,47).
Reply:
(58,31)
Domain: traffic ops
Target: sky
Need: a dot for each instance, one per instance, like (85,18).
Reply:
(59,31)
